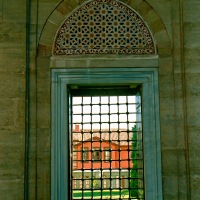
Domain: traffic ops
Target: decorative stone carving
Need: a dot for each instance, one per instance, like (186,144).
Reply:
(104,27)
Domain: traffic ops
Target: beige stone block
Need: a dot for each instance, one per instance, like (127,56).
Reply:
(14,11)
(9,49)
(165,65)
(33,141)
(150,16)
(48,34)
(12,85)
(195,186)
(166,86)
(135,3)
(143,8)
(12,38)
(163,9)
(45,9)
(164,52)
(44,80)
(43,63)
(1,10)
(191,11)
(44,190)
(170,185)
(191,35)
(178,86)
(167,108)
(12,189)
(11,166)
(174,11)
(43,117)
(12,112)
(72,4)
(182,188)
(159,30)
(179,131)
(43,161)
(44,139)
(32,165)
(19,115)
(67,7)
(44,50)
(12,27)
(194,150)
(192,118)
(43,173)
(12,65)
(192,60)
(162,38)
(6,114)
(32,185)
(192,85)
(41,15)
(167,135)
(169,140)
(57,17)
(169,162)
(177,62)
(176,33)
(181,163)
(64,8)
(11,143)
(167,115)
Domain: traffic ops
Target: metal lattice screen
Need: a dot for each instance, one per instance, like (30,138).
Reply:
(107,147)
(104,27)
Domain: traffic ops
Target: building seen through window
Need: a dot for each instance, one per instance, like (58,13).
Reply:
(107,138)
(96,154)
(85,154)
(107,153)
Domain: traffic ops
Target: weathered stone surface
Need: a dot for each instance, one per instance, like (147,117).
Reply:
(11,14)
(51,29)
(192,60)
(191,10)
(12,189)
(179,91)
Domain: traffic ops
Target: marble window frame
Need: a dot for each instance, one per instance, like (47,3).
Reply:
(108,71)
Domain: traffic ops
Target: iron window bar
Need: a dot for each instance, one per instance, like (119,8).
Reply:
(122,175)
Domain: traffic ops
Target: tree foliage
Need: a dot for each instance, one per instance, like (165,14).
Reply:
(134,171)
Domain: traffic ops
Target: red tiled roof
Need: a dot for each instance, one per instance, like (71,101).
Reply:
(115,136)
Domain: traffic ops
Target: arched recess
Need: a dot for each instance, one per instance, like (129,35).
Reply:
(104,27)
(149,15)
(46,59)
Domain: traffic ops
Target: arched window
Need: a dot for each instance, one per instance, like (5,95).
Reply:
(105,44)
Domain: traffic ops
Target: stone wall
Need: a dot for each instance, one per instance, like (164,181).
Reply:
(12,98)
(175,26)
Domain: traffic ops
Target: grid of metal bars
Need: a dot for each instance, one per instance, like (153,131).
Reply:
(107,147)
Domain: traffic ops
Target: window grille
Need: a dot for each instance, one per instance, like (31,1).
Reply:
(104,27)
(107,132)
(75,158)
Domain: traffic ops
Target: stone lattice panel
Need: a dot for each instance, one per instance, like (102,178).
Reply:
(104,27)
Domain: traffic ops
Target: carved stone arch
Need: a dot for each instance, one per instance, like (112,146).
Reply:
(104,27)
(65,8)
